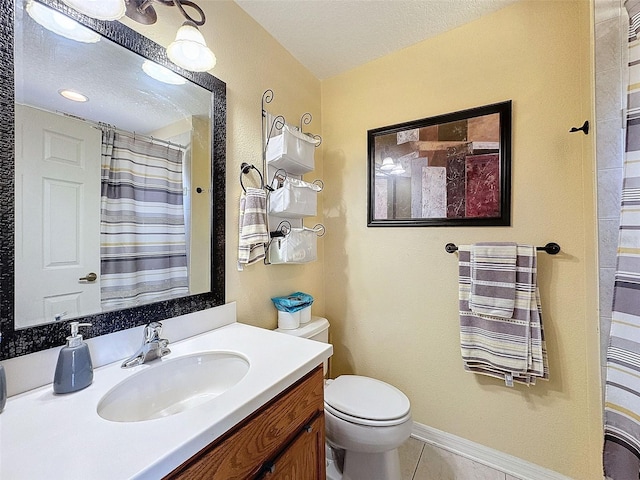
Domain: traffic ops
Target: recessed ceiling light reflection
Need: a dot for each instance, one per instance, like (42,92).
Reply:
(74,96)
(162,74)
(60,24)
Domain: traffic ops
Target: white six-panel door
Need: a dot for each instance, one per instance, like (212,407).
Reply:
(57,216)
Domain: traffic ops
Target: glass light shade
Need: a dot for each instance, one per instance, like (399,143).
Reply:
(60,24)
(99,9)
(190,51)
(162,74)
(387,164)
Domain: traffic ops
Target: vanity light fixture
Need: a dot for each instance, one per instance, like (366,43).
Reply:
(60,24)
(189,50)
(73,95)
(99,9)
(162,74)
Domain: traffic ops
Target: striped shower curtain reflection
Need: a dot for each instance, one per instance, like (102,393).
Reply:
(143,251)
(622,395)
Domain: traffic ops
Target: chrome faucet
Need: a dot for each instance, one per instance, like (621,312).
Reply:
(152,346)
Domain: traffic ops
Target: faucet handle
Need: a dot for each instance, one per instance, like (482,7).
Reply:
(152,331)
(163,347)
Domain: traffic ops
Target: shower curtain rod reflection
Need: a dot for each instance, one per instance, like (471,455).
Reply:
(134,135)
(551,248)
(148,138)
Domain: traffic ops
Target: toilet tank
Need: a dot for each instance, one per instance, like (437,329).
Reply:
(317,329)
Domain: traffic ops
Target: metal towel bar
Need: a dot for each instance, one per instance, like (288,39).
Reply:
(551,248)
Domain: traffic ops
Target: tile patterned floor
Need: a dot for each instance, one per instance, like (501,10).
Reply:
(422,461)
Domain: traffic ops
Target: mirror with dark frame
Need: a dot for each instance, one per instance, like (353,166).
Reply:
(19,338)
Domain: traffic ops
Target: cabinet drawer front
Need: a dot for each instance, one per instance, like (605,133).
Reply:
(241,452)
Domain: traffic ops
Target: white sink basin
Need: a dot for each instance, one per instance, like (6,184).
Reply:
(173,386)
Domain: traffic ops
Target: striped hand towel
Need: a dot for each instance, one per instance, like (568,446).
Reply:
(513,348)
(253,232)
(493,279)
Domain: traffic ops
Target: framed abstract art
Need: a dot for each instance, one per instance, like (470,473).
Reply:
(448,170)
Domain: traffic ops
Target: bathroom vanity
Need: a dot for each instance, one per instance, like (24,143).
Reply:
(284,439)
(267,424)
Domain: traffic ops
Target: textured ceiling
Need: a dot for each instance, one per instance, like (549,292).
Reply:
(46,62)
(332,36)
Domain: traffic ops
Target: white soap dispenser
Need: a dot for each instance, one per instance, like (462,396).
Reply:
(74,370)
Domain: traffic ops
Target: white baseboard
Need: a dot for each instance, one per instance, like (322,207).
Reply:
(487,456)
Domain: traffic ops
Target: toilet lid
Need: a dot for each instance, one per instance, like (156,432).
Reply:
(366,398)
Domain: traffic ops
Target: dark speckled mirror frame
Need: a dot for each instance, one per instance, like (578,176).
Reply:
(21,342)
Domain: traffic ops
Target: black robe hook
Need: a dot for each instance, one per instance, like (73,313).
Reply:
(584,128)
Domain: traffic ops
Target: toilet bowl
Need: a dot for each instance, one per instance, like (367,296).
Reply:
(366,420)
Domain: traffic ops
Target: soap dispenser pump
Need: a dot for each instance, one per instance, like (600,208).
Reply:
(74,370)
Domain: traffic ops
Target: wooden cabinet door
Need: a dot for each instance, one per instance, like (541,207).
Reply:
(304,458)
(241,453)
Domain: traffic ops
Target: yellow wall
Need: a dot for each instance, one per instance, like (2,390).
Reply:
(200,226)
(250,61)
(391,293)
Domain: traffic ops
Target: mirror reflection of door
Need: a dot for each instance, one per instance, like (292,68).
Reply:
(57,216)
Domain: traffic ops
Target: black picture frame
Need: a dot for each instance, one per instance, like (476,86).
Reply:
(448,170)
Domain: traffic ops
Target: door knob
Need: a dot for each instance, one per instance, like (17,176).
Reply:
(91,277)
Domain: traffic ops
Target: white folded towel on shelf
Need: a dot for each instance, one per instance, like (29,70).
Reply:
(253,232)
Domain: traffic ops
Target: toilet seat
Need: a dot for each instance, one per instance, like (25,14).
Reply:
(364,421)
(366,401)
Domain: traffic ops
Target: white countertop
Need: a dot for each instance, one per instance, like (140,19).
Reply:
(48,436)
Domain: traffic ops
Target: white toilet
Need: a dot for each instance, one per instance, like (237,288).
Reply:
(366,420)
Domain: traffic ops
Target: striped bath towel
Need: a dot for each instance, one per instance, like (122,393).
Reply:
(513,348)
(253,233)
(493,279)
